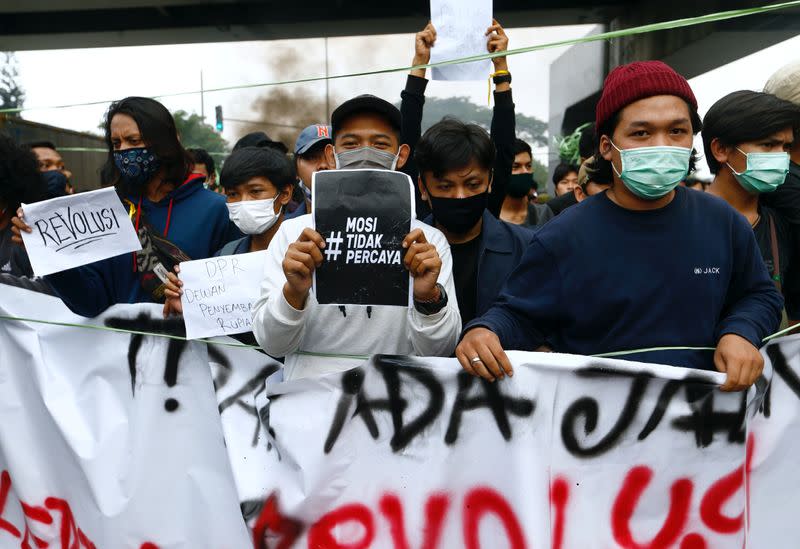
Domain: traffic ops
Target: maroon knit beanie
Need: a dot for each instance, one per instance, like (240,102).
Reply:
(629,83)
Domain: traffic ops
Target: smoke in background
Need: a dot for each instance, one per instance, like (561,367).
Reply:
(286,110)
(290,108)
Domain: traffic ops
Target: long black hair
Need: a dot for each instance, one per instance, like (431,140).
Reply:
(158,131)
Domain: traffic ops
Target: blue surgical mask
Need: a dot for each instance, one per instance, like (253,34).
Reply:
(136,166)
(366,157)
(765,172)
(652,172)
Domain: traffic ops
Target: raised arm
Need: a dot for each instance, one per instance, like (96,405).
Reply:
(503,128)
(412,105)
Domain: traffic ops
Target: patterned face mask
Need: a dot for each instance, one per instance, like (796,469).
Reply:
(136,166)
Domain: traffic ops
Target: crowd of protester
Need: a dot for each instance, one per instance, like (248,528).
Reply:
(633,252)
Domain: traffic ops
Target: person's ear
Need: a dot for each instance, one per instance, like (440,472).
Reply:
(722,153)
(579,194)
(285,196)
(606,149)
(423,193)
(330,156)
(402,156)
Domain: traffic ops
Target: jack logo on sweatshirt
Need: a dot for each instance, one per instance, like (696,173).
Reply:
(706,270)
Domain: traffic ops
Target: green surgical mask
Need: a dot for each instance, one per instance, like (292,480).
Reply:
(765,172)
(520,185)
(652,172)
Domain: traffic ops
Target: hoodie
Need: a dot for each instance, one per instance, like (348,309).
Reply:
(191,217)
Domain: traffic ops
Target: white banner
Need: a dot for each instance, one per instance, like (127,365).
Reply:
(115,440)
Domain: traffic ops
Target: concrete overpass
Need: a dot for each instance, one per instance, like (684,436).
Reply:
(576,78)
(44,24)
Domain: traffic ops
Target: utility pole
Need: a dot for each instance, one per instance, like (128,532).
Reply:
(202,99)
(327,87)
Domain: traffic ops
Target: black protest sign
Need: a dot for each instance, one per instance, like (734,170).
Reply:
(363,215)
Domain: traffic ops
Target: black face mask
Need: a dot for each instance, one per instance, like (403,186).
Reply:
(459,215)
(520,185)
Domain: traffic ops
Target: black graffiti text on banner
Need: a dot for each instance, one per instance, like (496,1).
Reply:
(363,215)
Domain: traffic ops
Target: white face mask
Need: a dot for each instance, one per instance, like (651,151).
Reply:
(253,216)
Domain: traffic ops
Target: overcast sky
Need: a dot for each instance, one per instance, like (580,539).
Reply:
(57,77)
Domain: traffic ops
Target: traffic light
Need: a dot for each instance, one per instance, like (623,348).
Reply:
(218,110)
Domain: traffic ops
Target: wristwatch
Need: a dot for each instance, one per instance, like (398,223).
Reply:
(432,307)
(499,79)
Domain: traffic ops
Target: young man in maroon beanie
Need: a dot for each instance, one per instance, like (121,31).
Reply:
(652,283)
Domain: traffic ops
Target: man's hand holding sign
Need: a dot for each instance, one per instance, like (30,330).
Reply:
(423,262)
(362,246)
(70,231)
(302,258)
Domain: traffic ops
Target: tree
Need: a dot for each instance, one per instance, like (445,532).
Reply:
(540,175)
(12,96)
(196,134)
(529,129)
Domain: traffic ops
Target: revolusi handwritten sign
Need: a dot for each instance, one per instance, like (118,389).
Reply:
(363,215)
(219,292)
(76,230)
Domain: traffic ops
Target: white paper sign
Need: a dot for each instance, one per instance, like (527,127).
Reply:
(219,292)
(76,230)
(461,32)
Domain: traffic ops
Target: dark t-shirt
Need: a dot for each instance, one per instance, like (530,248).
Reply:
(465,276)
(538,215)
(786,203)
(786,253)
(561,203)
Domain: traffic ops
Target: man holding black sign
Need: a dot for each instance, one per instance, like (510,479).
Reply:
(289,321)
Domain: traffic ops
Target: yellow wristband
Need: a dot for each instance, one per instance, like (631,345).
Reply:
(489,83)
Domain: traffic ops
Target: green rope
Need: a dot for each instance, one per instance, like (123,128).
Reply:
(649,349)
(643,29)
(335,355)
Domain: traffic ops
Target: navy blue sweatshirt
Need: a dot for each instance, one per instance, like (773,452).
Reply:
(199,225)
(599,278)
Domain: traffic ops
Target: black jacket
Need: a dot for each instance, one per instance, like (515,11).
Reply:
(502,248)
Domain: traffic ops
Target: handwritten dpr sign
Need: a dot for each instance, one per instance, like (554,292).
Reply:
(219,292)
(363,215)
(76,230)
